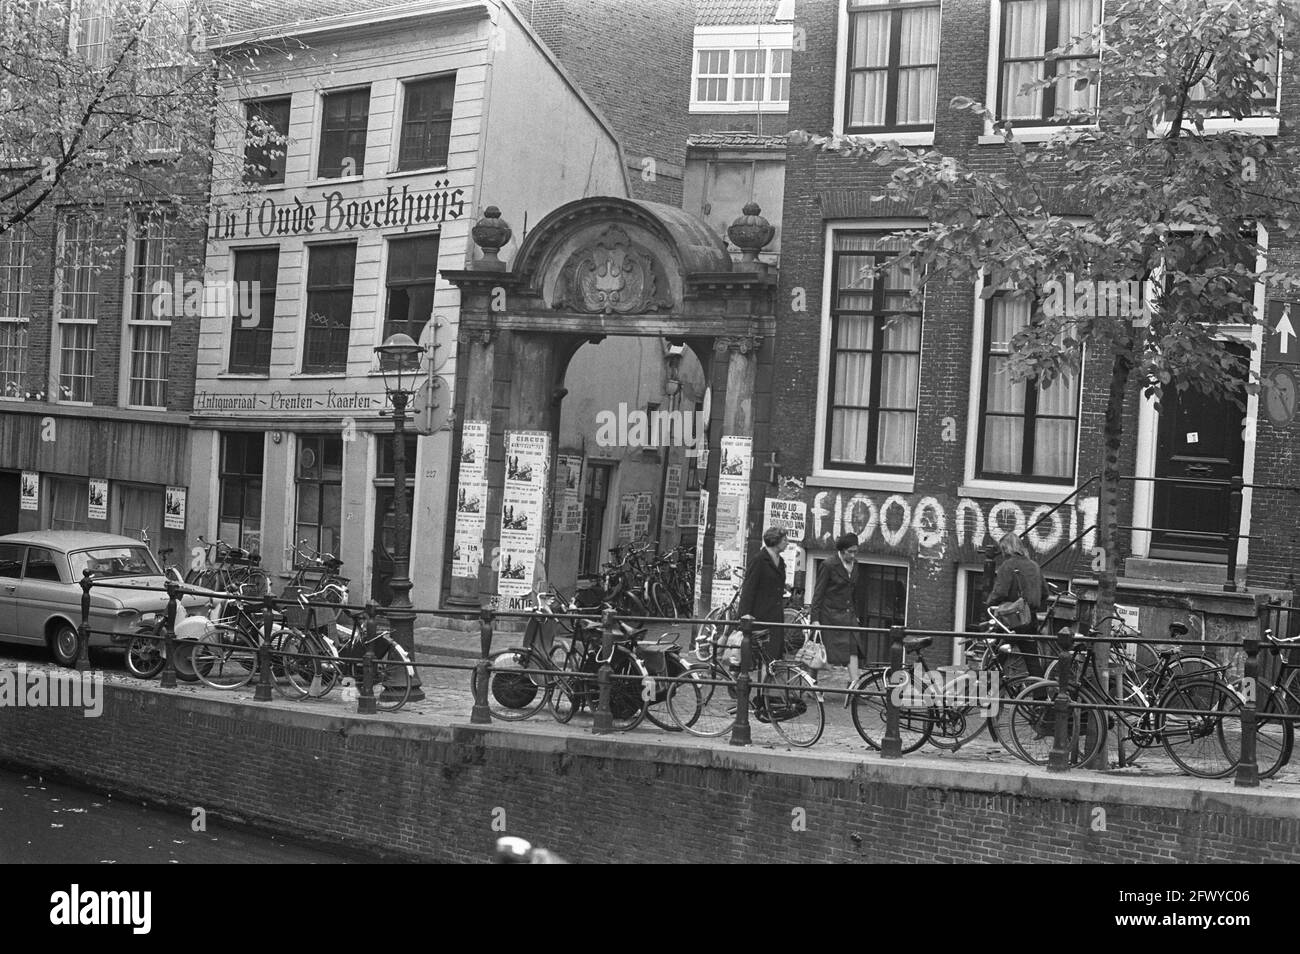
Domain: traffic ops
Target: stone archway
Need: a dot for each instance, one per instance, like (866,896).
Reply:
(594,268)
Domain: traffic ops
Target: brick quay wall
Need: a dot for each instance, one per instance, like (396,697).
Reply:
(400,786)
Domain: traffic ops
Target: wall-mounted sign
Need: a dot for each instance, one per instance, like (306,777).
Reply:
(174,509)
(1280,396)
(528,456)
(333,213)
(339,402)
(31,491)
(97,500)
(1280,343)
(789,515)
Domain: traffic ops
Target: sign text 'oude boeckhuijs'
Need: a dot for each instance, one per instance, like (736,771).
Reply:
(333,213)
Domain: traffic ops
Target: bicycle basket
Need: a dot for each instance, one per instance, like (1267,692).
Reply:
(295,614)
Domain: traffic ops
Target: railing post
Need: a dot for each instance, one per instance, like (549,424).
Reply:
(168,680)
(82,662)
(1059,760)
(1248,767)
(265,678)
(366,696)
(481,714)
(602,720)
(1234,529)
(741,733)
(891,746)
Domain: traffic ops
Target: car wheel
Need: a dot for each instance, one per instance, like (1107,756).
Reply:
(63,644)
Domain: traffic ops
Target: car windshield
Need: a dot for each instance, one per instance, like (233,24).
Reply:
(114,561)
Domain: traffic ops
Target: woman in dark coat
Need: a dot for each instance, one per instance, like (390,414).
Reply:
(762,595)
(834,603)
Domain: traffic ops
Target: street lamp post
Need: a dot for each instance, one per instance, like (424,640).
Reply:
(399,360)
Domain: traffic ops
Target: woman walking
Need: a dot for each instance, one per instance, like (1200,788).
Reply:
(834,603)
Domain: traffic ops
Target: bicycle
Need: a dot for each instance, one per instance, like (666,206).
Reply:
(704,701)
(1275,737)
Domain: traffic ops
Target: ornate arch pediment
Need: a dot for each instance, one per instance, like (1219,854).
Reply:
(613,275)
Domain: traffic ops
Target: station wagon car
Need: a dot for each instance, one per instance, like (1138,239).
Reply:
(40,592)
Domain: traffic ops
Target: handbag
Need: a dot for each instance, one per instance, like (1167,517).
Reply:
(1015,613)
(812,654)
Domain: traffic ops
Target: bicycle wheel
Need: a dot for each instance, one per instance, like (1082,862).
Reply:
(627,688)
(570,689)
(869,717)
(699,705)
(1207,745)
(1274,737)
(795,638)
(145,657)
(225,658)
(292,664)
(1033,723)
(794,709)
(515,695)
(661,601)
(999,725)
(394,673)
(656,709)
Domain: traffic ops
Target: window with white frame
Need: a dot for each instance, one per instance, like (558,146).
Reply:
(345,116)
(1206,97)
(153,270)
(1029,31)
(1027,432)
(77,278)
(875,356)
(92,27)
(891,79)
(15,300)
(751,75)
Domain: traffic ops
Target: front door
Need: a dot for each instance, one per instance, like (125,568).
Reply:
(594,502)
(1200,439)
(9,502)
(385,538)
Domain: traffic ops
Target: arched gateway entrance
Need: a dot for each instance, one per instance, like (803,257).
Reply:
(593,270)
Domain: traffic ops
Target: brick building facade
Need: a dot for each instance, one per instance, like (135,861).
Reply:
(915,473)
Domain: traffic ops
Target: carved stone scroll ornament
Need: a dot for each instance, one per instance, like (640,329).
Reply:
(611,277)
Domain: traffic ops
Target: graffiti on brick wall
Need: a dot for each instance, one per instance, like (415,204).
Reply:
(931,525)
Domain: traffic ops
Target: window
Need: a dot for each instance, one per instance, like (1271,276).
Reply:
(68,508)
(330,270)
(11,561)
(137,511)
(165,37)
(1031,29)
(319,482)
(875,357)
(153,269)
(412,274)
(1027,432)
(15,300)
(745,76)
(386,467)
(239,520)
(1262,103)
(77,278)
(426,123)
(256,271)
(91,30)
(343,133)
(265,140)
(893,66)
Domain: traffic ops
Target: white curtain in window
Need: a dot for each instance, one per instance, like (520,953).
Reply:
(137,509)
(852,387)
(1054,448)
(871,40)
(917,75)
(1076,17)
(1024,27)
(68,503)
(867,99)
(1003,444)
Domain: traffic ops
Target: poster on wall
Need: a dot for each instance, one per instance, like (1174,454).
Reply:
(645,504)
(789,515)
(673,482)
(726,527)
(728,565)
(626,516)
(523,503)
(174,509)
(572,516)
(568,480)
(471,501)
(733,467)
(31,491)
(689,514)
(670,512)
(97,500)
(703,508)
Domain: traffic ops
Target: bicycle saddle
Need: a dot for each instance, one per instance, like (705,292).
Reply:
(1177,630)
(917,642)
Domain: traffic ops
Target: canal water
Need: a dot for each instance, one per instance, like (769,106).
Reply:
(44,822)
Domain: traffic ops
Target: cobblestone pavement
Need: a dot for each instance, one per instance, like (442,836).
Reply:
(449,700)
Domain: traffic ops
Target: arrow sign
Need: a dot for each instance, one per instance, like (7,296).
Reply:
(1282,347)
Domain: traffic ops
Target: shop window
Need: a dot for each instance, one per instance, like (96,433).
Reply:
(412,277)
(319,492)
(1031,30)
(15,302)
(344,117)
(265,140)
(68,503)
(330,272)
(426,123)
(875,359)
(239,520)
(256,271)
(1026,432)
(893,66)
(137,511)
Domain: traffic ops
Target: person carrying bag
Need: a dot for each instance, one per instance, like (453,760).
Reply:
(1019,592)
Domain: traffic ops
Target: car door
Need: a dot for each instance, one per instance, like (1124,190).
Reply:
(42,593)
(11,571)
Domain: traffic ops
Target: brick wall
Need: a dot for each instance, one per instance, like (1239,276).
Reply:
(433,792)
(823,187)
